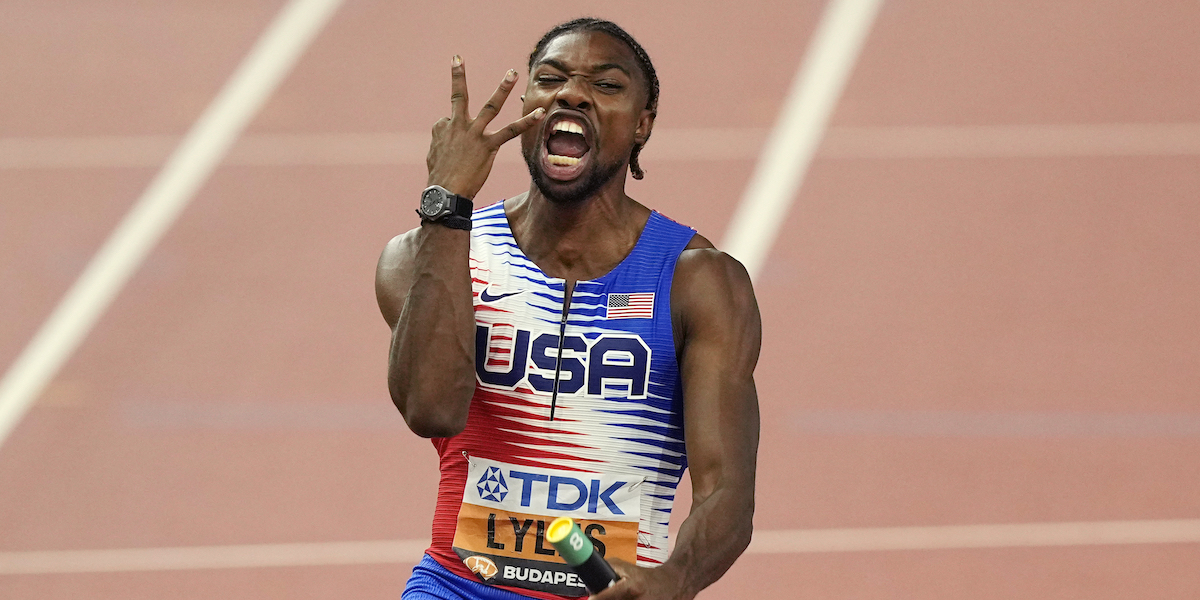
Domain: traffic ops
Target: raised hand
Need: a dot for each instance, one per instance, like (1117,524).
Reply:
(462,151)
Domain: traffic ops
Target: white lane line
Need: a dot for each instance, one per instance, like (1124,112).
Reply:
(212,557)
(793,142)
(681,144)
(334,149)
(1000,141)
(201,150)
(1025,424)
(86,152)
(1016,535)
(793,541)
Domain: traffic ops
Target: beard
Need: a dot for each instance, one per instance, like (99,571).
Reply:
(583,187)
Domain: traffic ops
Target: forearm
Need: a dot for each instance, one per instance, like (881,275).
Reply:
(713,536)
(431,367)
(424,282)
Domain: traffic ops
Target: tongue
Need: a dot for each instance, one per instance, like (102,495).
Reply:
(567,144)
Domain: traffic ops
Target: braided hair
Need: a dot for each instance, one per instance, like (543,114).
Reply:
(612,29)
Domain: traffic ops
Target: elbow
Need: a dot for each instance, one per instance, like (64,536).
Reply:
(744,535)
(432,414)
(744,530)
(432,424)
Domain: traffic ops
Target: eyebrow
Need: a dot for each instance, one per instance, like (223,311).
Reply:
(596,69)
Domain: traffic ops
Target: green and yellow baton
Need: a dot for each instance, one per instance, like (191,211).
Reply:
(581,555)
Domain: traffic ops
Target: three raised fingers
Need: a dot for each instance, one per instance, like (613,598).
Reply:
(458,101)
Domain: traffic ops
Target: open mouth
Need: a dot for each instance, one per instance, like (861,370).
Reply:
(566,146)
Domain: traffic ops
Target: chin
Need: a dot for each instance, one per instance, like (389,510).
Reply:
(582,186)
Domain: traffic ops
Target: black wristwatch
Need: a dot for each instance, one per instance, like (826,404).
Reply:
(439,205)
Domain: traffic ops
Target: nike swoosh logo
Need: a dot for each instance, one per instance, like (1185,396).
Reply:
(486,297)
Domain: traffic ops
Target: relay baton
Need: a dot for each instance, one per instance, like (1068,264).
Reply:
(581,555)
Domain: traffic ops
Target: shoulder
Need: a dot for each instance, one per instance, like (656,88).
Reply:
(701,265)
(711,289)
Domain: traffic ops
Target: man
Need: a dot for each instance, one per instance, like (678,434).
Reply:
(558,345)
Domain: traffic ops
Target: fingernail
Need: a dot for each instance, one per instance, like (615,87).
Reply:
(538,112)
(511,75)
(456,61)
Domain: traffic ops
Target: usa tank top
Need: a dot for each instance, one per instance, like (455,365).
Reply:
(576,412)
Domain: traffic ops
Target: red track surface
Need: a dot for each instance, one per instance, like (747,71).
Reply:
(235,392)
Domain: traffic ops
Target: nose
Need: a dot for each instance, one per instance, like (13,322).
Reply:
(574,93)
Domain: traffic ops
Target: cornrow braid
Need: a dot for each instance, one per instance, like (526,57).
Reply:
(643,59)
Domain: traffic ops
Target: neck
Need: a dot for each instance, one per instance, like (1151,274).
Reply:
(579,240)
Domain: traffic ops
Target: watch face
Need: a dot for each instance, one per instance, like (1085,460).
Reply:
(432,203)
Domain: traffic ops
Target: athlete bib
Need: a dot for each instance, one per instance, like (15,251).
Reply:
(501,532)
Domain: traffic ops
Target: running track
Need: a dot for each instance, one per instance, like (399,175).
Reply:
(982,308)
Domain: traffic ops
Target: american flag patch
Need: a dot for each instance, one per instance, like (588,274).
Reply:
(630,306)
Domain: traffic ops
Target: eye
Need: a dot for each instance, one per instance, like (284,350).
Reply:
(611,87)
(549,79)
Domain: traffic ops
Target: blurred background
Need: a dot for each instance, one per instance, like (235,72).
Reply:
(981,308)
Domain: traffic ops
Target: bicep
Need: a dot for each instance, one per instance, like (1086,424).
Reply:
(722,334)
(393,277)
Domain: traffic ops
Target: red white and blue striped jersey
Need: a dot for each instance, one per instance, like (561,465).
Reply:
(577,414)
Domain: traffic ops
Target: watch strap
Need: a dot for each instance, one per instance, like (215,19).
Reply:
(456,222)
(453,221)
(461,206)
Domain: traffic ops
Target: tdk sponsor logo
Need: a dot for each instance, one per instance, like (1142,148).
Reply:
(526,492)
(612,365)
(492,485)
(553,492)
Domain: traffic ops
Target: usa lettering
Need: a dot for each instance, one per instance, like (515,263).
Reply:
(612,365)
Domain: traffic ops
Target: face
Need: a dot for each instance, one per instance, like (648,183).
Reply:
(595,100)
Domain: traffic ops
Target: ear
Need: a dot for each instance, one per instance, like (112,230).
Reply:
(645,124)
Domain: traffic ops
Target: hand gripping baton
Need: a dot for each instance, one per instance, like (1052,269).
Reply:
(581,555)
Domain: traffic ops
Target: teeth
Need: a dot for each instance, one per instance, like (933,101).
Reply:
(569,127)
(563,161)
